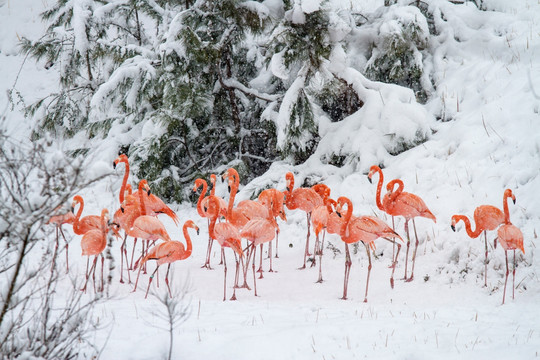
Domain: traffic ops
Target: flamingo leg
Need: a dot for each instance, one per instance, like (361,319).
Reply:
(514,275)
(260,270)
(233,297)
(414,252)
(122,250)
(394,257)
(368,271)
(253,267)
(224,274)
(208,249)
(394,262)
(270,255)
(277,233)
(92,268)
(506,277)
(102,279)
(486,259)
(320,280)
(348,263)
(306,251)
(138,274)
(133,252)
(246,265)
(150,281)
(167,279)
(315,249)
(408,246)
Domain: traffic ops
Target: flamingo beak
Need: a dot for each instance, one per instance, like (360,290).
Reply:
(338,213)
(369,178)
(453,227)
(114,165)
(122,209)
(197,231)
(229,188)
(514,200)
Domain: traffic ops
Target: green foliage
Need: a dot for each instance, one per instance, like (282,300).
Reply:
(397,56)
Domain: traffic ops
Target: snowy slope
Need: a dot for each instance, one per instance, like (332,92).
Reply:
(489,86)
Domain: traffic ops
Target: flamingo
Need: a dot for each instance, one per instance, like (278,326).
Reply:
(198,183)
(222,202)
(59,220)
(510,237)
(319,219)
(410,206)
(87,223)
(486,218)
(305,199)
(259,231)
(94,242)
(235,216)
(118,216)
(147,227)
(277,199)
(227,235)
(366,229)
(167,253)
(382,206)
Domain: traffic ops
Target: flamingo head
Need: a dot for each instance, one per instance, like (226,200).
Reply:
(122,158)
(289,177)
(198,183)
(510,194)
(372,170)
(192,225)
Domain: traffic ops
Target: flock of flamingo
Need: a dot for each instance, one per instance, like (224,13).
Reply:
(256,221)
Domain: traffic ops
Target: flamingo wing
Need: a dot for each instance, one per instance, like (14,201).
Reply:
(488,217)
(510,237)
(258,231)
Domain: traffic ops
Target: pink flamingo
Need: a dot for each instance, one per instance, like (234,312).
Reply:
(305,199)
(94,242)
(119,219)
(486,218)
(382,205)
(278,199)
(511,238)
(167,253)
(59,220)
(87,223)
(200,209)
(366,229)
(259,231)
(400,203)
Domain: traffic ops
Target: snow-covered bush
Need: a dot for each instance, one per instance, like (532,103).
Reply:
(35,182)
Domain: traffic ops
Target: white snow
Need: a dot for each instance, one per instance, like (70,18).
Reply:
(487,85)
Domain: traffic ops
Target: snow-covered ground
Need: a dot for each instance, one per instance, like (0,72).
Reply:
(490,83)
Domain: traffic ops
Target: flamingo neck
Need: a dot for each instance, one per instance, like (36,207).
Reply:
(141,199)
(201,196)
(288,191)
(189,245)
(213,181)
(348,215)
(234,189)
(124,181)
(79,211)
(379,188)
(468,228)
(395,193)
(505,208)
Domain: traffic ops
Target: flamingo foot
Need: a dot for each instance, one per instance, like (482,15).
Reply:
(302,267)
(207,266)
(233,298)
(320,281)
(343,298)
(409,279)
(365,300)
